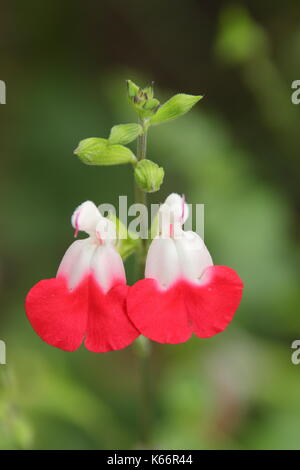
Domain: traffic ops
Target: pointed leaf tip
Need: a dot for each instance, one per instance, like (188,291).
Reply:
(175,107)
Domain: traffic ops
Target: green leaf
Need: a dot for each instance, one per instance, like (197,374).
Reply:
(127,244)
(97,151)
(124,133)
(174,108)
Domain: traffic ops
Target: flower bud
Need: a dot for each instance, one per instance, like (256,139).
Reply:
(148,176)
(142,100)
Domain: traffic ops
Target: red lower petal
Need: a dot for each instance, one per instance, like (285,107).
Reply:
(62,318)
(170,316)
(211,306)
(58,315)
(109,327)
(159,314)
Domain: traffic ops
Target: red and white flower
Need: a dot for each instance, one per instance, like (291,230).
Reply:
(183,292)
(87,299)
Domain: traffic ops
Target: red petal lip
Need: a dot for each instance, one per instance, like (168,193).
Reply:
(108,327)
(159,315)
(63,318)
(172,315)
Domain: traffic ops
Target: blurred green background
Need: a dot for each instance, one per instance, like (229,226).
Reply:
(65,65)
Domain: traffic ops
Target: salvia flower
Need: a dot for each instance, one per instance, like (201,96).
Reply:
(183,292)
(86,301)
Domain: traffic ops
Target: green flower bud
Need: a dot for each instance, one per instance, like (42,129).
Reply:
(142,100)
(148,176)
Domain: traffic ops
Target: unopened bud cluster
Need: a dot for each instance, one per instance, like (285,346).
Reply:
(142,100)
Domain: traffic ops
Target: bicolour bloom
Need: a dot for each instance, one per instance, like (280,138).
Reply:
(183,292)
(86,301)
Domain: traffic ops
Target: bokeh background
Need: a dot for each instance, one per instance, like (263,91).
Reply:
(65,65)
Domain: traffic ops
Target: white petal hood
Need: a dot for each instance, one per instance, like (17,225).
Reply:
(175,254)
(95,255)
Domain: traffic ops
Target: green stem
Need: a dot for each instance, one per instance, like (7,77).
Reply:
(146,394)
(141,198)
(145,356)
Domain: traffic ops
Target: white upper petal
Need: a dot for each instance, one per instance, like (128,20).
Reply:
(162,261)
(86,217)
(76,262)
(95,255)
(86,257)
(169,259)
(107,267)
(176,254)
(193,256)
